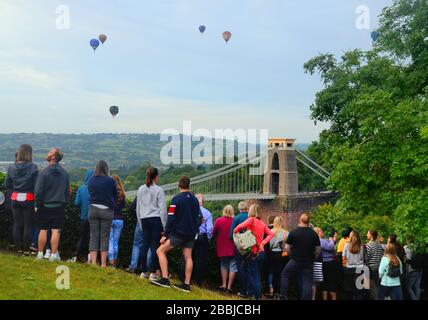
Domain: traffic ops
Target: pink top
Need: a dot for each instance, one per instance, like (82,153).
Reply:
(259,229)
(224,245)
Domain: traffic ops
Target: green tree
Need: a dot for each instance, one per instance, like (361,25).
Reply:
(376,102)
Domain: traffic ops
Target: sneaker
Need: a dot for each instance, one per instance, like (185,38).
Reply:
(130,270)
(27,253)
(144,275)
(183,287)
(73,260)
(229,291)
(153,277)
(243,296)
(164,283)
(19,252)
(39,256)
(48,254)
(54,258)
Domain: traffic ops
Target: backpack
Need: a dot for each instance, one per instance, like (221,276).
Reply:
(394,271)
(244,241)
(417,262)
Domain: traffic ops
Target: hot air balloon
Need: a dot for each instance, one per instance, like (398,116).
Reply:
(2,198)
(102,38)
(375,35)
(114,110)
(94,44)
(202,29)
(226,36)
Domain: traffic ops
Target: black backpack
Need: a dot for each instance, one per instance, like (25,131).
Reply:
(394,271)
(417,263)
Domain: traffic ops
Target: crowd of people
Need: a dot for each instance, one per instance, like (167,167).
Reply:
(302,263)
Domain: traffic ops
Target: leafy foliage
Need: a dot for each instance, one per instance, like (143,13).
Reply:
(377,105)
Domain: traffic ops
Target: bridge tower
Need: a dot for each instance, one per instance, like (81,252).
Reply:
(280,177)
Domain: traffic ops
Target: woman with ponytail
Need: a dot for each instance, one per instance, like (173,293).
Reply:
(152,216)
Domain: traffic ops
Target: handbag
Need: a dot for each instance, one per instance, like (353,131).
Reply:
(244,241)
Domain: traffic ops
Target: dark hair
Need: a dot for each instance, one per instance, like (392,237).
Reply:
(392,238)
(332,233)
(151,174)
(24,153)
(347,232)
(58,155)
(271,219)
(184,183)
(101,169)
(374,234)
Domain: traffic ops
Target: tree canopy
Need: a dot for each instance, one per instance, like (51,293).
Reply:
(376,103)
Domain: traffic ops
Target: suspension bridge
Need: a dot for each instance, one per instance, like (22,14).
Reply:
(270,179)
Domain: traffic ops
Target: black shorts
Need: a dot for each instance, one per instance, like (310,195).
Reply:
(330,271)
(179,242)
(51,218)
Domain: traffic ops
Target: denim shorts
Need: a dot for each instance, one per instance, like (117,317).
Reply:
(229,263)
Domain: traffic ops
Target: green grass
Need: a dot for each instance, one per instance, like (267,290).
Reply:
(27,279)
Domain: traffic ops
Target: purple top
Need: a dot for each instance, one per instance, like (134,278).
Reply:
(327,250)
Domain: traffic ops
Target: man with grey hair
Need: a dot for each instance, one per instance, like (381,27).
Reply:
(201,247)
(241,260)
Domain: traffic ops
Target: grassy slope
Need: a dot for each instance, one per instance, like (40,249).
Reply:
(27,279)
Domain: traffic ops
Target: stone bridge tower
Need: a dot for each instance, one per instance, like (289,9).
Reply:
(280,177)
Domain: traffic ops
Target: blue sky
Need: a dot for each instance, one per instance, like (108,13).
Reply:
(161,71)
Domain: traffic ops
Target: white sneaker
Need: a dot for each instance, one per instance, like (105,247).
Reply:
(55,258)
(153,277)
(47,254)
(144,275)
(74,260)
(39,256)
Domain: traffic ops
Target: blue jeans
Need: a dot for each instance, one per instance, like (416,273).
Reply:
(152,229)
(254,273)
(413,284)
(243,276)
(116,230)
(305,272)
(394,293)
(136,249)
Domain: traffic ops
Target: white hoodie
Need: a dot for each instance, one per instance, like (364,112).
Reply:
(151,203)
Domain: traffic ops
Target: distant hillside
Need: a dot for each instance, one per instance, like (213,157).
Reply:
(83,150)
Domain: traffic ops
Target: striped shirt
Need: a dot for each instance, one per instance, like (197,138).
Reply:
(375,253)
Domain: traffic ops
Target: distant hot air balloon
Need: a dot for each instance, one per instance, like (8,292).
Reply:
(375,35)
(226,36)
(202,29)
(114,110)
(102,38)
(94,44)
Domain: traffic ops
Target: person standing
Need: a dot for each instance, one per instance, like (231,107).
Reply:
(137,243)
(354,255)
(255,259)
(102,201)
(241,261)
(117,224)
(52,194)
(184,216)
(374,256)
(303,247)
(413,271)
(152,217)
(390,271)
(329,265)
(82,201)
(21,180)
(225,249)
(201,248)
(277,258)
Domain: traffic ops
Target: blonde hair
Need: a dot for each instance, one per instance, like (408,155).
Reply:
(277,223)
(242,206)
(255,211)
(228,211)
